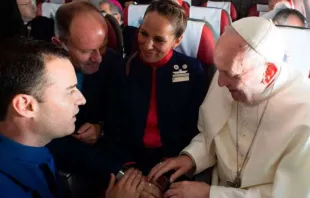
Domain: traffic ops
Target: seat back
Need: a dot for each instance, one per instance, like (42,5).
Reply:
(258,9)
(262,7)
(198,41)
(186,6)
(47,9)
(228,6)
(262,13)
(115,37)
(297,48)
(189,2)
(218,18)
(133,15)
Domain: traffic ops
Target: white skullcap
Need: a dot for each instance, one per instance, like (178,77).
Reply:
(262,36)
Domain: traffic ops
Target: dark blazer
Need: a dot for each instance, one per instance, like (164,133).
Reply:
(177,106)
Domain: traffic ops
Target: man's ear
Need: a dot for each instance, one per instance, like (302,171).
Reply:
(56,41)
(177,42)
(271,71)
(25,105)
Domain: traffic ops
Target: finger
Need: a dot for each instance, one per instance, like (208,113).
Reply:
(176,185)
(88,134)
(75,136)
(179,172)
(137,180)
(84,128)
(131,177)
(171,193)
(123,180)
(155,191)
(164,169)
(112,182)
(141,186)
(145,195)
(155,169)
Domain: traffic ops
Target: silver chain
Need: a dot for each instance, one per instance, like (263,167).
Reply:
(238,176)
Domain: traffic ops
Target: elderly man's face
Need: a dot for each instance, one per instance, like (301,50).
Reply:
(107,9)
(27,9)
(243,80)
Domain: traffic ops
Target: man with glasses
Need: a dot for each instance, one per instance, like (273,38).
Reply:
(108,7)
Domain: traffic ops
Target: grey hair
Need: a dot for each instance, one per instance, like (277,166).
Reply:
(113,8)
(281,18)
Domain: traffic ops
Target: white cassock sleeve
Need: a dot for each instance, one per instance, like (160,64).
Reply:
(292,176)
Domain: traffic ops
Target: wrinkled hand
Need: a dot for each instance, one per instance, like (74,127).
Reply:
(88,133)
(151,191)
(129,186)
(187,189)
(181,164)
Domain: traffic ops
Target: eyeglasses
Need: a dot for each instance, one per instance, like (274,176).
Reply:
(104,13)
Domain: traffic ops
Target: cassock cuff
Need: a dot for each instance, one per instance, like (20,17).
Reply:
(198,154)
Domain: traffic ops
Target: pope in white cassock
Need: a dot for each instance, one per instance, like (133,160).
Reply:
(254,123)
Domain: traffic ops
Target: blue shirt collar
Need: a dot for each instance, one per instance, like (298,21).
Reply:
(16,150)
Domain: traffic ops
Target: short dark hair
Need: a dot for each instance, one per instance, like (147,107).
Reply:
(173,11)
(281,17)
(66,13)
(22,69)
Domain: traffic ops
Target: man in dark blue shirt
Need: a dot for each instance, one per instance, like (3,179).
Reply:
(39,101)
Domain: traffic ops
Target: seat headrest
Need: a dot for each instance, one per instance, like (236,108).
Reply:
(253,11)
(198,41)
(262,13)
(216,17)
(262,8)
(228,6)
(188,1)
(48,9)
(297,48)
(133,15)
(115,38)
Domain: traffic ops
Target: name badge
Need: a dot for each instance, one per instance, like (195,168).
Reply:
(180,74)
